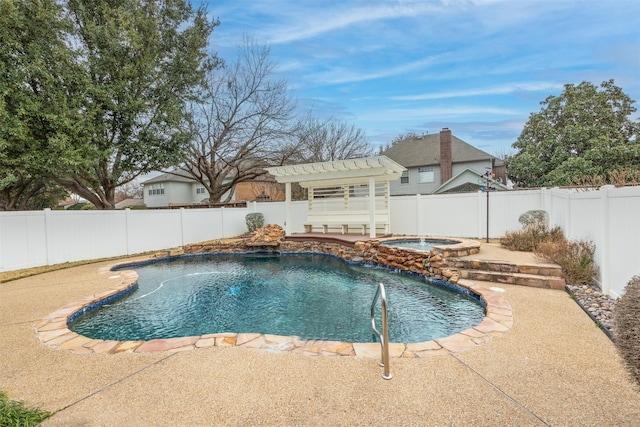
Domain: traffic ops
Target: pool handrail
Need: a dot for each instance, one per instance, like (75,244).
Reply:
(384,336)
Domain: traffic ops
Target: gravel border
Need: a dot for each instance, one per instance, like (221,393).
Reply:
(598,306)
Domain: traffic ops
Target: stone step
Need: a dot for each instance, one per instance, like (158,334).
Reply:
(522,279)
(551,270)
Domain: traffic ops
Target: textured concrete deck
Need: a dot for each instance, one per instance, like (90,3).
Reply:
(553,367)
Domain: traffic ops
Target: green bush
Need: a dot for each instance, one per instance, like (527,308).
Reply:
(626,319)
(254,221)
(18,414)
(575,258)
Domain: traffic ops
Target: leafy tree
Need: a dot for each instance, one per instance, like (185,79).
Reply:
(241,125)
(38,102)
(142,60)
(585,131)
(96,90)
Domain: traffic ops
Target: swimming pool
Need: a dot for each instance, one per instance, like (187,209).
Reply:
(422,245)
(310,296)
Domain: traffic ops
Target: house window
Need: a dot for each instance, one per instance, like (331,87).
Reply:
(156,189)
(404,179)
(426,174)
(200,190)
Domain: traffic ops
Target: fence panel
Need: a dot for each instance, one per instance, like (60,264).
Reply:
(81,235)
(151,230)
(199,225)
(404,216)
(584,215)
(505,209)
(623,231)
(456,215)
(275,213)
(23,240)
(556,203)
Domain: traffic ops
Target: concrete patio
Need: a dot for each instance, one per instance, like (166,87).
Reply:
(553,367)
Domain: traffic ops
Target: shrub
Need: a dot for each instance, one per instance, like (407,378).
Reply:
(529,238)
(254,221)
(535,230)
(534,218)
(18,414)
(575,258)
(627,327)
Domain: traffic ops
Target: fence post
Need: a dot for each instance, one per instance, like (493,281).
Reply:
(419,229)
(222,222)
(605,280)
(127,229)
(48,233)
(181,226)
(480,213)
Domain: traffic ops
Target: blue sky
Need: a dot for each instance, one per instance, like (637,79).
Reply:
(478,67)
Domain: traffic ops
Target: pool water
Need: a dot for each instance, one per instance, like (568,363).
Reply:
(422,245)
(311,296)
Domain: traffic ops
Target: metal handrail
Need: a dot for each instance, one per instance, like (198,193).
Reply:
(384,336)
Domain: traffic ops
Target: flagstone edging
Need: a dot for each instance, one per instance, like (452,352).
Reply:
(53,332)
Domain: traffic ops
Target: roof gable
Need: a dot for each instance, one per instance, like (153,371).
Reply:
(467,180)
(177,176)
(425,151)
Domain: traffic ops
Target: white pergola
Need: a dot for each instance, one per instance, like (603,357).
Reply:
(343,192)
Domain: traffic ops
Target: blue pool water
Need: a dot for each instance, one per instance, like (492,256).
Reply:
(422,245)
(310,296)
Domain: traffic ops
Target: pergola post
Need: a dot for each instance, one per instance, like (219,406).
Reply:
(287,206)
(372,207)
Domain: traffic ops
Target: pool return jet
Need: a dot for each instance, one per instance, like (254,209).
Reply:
(384,336)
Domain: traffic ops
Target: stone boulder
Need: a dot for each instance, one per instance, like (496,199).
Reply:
(269,235)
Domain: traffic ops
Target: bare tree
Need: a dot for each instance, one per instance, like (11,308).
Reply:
(326,140)
(130,190)
(241,125)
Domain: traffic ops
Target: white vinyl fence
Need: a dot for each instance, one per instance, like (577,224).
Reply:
(608,217)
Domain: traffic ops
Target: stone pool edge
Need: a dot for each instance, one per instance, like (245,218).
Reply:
(53,332)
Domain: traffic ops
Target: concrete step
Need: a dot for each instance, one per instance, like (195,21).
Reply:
(551,270)
(522,279)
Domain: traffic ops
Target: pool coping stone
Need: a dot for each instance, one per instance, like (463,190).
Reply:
(53,331)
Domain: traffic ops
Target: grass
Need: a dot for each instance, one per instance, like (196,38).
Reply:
(16,414)
(8,276)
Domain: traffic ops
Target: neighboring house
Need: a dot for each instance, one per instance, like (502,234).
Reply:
(168,190)
(172,190)
(262,189)
(442,163)
(130,203)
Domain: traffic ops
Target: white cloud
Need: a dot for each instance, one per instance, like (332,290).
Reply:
(312,23)
(495,90)
(450,113)
(338,76)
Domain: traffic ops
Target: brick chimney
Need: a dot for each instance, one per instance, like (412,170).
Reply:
(446,171)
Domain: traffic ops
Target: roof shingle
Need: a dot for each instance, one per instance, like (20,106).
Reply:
(425,151)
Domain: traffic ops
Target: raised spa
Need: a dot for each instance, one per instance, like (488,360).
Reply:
(307,295)
(421,245)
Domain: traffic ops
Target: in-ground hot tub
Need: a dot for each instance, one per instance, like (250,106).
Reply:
(418,244)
